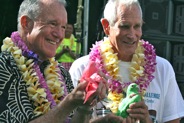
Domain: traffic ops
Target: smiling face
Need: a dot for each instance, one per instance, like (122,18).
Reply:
(69,30)
(126,32)
(47,31)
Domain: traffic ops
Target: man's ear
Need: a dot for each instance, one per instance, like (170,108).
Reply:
(105,24)
(26,23)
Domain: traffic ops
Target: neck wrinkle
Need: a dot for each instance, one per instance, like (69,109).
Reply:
(125,58)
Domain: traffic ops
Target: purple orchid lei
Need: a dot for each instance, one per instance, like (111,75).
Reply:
(143,81)
(30,54)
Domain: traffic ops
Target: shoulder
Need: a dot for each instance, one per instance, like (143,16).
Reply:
(6,56)
(7,60)
(163,63)
(79,64)
(86,58)
(82,61)
(64,72)
(67,78)
(164,69)
(77,68)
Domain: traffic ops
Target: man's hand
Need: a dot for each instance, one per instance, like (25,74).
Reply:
(139,111)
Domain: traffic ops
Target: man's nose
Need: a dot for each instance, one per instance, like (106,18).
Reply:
(59,32)
(131,34)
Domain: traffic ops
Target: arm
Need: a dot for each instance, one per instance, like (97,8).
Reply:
(59,114)
(83,113)
(65,49)
(71,53)
(176,104)
(174,121)
(71,102)
(59,54)
(173,106)
(23,109)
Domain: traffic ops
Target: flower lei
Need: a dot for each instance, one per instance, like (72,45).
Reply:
(141,69)
(45,93)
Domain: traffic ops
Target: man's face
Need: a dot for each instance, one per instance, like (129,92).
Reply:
(48,31)
(126,32)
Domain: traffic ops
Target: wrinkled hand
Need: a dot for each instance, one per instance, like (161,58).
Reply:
(139,111)
(112,118)
(79,93)
(101,91)
(65,49)
(94,77)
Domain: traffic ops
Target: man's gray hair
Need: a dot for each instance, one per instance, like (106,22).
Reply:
(32,9)
(111,8)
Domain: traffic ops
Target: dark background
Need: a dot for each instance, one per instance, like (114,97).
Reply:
(164,26)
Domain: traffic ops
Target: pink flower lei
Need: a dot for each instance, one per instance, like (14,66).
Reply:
(117,85)
(30,54)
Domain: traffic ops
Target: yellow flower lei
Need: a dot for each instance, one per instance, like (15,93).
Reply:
(111,64)
(36,93)
(109,61)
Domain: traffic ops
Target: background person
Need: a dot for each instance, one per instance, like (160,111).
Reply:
(69,48)
(126,59)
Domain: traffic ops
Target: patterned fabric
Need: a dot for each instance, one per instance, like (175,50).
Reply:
(15,106)
(66,65)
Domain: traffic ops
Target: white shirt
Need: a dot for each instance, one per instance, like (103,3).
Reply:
(162,95)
